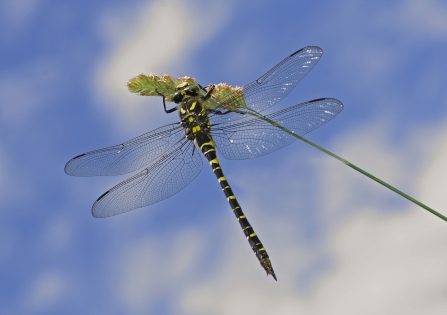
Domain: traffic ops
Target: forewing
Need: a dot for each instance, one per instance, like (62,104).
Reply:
(270,88)
(162,179)
(128,156)
(254,137)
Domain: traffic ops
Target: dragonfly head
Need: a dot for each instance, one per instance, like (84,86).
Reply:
(184,91)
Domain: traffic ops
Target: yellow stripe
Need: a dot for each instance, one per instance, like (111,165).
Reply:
(262,249)
(207,143)
(214,161)
(241,217)
(221,179)
(193,105)
(182,110)
(231,197)
(247,227)
(210,150)
(217,168)
(252,234)
(236,208)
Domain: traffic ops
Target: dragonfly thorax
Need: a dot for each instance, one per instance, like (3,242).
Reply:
(193,117)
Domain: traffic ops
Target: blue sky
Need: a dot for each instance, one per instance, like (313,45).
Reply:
(339,243)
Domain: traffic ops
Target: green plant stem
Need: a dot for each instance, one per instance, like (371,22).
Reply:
(420,204)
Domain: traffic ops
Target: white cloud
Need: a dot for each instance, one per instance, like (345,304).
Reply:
(163,34)
(16,14)
(433,182)
(391,38)
(387,264)
(153,267)
(26,90)
(46,290)
(426,17)
(371,149)
(382,262)
(414,19)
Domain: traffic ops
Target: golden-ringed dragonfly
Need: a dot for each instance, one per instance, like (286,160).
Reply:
(216,118)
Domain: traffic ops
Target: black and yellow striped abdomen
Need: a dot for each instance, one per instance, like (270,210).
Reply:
(206,145)
(194,120)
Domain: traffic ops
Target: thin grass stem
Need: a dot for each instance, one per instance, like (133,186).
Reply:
(358,169)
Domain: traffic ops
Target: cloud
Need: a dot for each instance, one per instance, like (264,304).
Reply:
(414,19)
(387,263)
(433,182)
(27,90)
(377,255)
(152,267)
(16,14)
(161,35)
(371,149)
(383,261)
(45,291)
(425,18)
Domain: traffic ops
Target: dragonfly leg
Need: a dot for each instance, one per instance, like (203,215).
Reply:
(167,111)
(208,93)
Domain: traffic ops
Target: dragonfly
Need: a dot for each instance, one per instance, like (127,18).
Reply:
(213,119)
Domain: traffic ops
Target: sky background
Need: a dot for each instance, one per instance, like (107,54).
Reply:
(339,242)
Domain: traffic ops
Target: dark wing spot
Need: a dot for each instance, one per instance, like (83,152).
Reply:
(102,196)
(296,52)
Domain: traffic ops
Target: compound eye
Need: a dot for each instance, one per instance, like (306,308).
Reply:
(191,91)
(178,97)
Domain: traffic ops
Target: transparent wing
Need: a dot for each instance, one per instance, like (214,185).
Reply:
(128,156)
(165,177)
(272,87)
(254,137)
